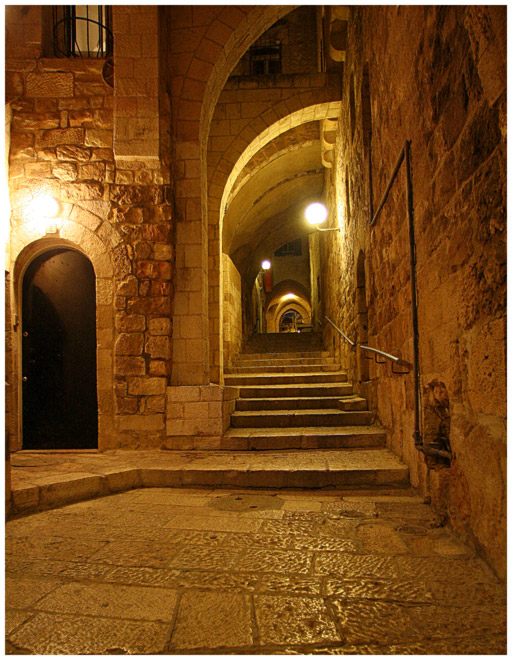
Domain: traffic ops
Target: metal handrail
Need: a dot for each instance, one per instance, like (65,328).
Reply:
(341,333)
(388,356)
(395,359)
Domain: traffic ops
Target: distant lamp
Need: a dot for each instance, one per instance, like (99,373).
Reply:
(266,265)
(289,296)
(316,213)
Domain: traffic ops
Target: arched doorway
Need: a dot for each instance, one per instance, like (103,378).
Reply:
(60,409)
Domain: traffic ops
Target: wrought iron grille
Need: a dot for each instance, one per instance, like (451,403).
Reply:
(82,31)
(265,57)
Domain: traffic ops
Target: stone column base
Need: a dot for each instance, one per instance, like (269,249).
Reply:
(198,416)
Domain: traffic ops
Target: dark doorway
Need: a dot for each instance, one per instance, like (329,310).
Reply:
(60,408)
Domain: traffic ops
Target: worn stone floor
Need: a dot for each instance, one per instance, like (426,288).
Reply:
(189,571)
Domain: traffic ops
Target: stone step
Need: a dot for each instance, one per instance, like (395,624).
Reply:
(269,379)
(304,418)
(285,469)
(312,391)
(303,438)
(286,403)
(282,358)
(353,403)
(283,369)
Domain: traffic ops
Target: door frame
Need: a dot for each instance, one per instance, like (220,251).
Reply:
(21,263)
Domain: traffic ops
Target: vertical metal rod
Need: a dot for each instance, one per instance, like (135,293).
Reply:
(371,193)
(413,281)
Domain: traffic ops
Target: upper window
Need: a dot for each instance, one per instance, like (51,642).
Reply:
(290,249)
(265,57)
(82,31)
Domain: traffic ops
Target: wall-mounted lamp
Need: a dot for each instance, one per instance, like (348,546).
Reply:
(42,211)
(289,296)
(266,265)
(316,213)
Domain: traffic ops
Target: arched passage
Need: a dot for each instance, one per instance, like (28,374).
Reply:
(58,323)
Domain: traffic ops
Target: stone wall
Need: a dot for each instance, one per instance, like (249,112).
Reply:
(437,78)
(232,312)
(113,207)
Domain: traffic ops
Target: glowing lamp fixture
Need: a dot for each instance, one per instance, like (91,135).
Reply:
(43,206)
(42,211)
(266,265)
(288,296)
(316,213)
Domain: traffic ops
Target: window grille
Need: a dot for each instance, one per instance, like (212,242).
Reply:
(265,57)
(291,249)
(82,31)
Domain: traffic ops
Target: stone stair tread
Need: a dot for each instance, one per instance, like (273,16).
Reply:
(298,374)
(304,431)
(292,412)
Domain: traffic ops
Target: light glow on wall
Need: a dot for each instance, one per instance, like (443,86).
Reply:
(266,265)
(289,296)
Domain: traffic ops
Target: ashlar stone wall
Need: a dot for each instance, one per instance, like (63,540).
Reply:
(437,78)
(115,207)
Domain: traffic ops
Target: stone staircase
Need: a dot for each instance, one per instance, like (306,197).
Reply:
(294,398)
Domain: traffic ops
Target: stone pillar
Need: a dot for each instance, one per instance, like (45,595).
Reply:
(136,92)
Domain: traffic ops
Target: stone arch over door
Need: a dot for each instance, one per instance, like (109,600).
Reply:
(26,246)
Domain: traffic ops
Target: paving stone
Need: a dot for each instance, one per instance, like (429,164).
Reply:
(148,576)
(354,566)
(117,601)
(447,621)
(206,557)
(380,590)
(289,620)
(375,622)
(53,548)
(380,538)
(136,553)
(290,527)
(293,562)
(290,585)
(212,620)
(23,592)
(66,634)
(13,619)
(212,580)
(216,523)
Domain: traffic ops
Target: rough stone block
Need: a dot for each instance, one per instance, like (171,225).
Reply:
(129,366)
(49,85)
(160,326)
(146,386)
(129,344)
(141,423)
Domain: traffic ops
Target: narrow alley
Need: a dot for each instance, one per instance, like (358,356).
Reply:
(255,308)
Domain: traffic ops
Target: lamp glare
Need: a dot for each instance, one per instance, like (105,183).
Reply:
(316,213)
(266,265)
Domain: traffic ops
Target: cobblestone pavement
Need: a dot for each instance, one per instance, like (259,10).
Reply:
(185,571)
